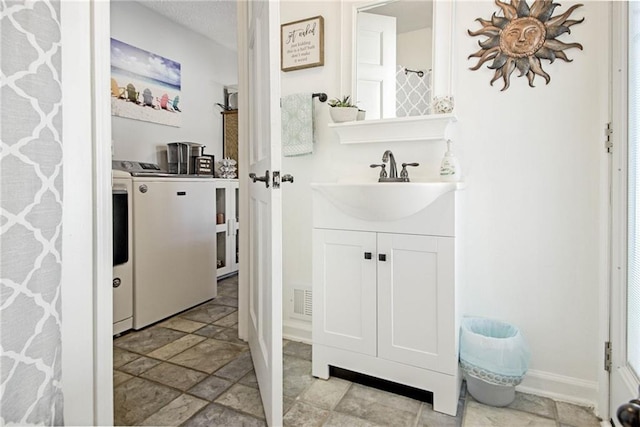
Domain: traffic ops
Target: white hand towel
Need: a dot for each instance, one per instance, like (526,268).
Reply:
(297,124)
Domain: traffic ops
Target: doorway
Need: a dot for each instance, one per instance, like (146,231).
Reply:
(184,104)
(207,69)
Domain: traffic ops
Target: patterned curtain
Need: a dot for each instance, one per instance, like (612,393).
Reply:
(413,93)
(30,212)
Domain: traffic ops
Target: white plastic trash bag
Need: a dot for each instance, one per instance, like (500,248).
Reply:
(493,351)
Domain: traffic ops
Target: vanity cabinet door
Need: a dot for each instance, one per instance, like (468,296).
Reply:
(344,290)
(416,301)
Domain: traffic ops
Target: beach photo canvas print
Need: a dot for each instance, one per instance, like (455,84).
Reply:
(144,86)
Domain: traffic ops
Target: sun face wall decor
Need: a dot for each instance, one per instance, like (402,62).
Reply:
(522,37)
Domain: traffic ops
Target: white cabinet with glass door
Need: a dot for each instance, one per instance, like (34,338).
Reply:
(227,226)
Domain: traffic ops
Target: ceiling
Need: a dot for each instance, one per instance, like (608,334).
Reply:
(411,15)
(214,19)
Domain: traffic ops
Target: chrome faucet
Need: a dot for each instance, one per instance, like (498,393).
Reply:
(393,170)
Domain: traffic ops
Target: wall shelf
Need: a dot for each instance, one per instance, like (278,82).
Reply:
(415,128)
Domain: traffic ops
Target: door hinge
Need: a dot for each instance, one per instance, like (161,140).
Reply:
(608,144)
(607,356)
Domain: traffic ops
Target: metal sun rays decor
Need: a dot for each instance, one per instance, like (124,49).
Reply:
(522,37)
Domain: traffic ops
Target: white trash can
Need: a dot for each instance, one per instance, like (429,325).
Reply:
(494,357)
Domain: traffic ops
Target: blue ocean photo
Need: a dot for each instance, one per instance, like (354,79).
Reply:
(145,64)
(144,86)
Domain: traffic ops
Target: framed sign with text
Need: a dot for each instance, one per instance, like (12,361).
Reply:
(302,44)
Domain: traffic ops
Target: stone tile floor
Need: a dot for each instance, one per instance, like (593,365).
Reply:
(192,370)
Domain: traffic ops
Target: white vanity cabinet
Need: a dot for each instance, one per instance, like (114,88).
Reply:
(384,297)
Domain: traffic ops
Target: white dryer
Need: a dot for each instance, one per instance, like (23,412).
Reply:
(174,241)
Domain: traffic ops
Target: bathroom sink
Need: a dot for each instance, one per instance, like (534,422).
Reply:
(384,201)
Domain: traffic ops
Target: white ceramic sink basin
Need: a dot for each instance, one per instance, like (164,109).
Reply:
(384,201)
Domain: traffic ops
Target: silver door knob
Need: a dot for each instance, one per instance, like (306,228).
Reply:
(264,178)
(287,178)
(143,188)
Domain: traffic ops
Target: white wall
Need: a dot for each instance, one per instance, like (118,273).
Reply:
(330,159)
(536,197)
(537,200)
(296,198)
(206,68)
(414,49)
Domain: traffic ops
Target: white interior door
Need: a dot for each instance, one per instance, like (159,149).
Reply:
(625,286)
(265,205)
(376,65)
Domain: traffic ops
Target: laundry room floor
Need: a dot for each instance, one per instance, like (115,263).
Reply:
(192,370)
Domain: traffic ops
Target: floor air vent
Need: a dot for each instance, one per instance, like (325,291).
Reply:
(302,302)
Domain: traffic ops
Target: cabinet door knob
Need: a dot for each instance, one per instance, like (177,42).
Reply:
(382,257)
(367,255)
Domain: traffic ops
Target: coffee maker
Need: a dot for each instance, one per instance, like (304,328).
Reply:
(188,158)
(179,157)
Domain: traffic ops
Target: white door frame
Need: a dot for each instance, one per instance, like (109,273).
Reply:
(243,165)
(87,265)
(622,384)
(103,303)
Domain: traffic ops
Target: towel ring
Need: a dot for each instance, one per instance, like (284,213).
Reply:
(419,73)
(322,97)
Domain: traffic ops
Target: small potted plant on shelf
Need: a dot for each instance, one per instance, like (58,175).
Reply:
(342,110)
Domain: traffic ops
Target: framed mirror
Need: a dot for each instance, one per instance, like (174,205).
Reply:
(400,55)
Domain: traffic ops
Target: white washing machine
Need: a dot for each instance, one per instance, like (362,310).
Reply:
(173,232)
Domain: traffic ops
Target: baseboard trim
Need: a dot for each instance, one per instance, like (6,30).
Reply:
(541,383)
(297,331)
(560,387)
